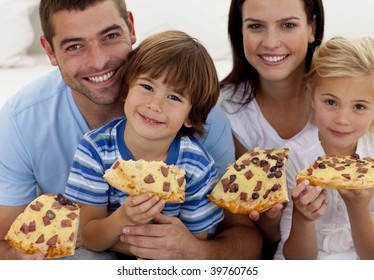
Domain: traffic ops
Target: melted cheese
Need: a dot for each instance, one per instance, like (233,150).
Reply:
(253,168)
(129,176)
(27,241)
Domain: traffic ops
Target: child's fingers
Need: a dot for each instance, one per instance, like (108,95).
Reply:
(134,200)
(299,189)
(309,196)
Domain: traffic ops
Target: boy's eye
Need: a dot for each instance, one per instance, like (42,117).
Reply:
(174,97)
(147,87)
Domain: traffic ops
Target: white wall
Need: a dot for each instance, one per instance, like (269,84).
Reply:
(349,18)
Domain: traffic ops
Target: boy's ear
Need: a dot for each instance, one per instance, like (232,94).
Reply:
(187,123)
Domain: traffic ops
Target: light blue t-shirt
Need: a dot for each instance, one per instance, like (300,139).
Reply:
(41,129)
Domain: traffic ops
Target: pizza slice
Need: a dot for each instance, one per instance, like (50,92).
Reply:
(49,225)
(137,177)
(255,182)
(339,172)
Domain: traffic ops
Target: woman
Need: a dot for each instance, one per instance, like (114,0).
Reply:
(272,43)
(263,96)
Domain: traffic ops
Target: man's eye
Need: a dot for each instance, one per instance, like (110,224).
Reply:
(112,36)
(73,48)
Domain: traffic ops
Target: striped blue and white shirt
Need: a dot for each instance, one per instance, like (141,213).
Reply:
(100,148)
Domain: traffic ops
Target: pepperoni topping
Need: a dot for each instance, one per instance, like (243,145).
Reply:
(347,176)
(72,216)
(115,165)
(46,221)
(40,239)
(32,226)
(165,171)
(248,175)
(72,236)
(24,228)
(37,206)
(243,196)
(53,240)
(166,187)
(66,223)
(258,186)
(180,181)
(149,179)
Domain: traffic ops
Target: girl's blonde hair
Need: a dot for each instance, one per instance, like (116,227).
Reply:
(185,64)
(342,57)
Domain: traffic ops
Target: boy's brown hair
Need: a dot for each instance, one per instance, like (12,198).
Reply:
(48,8)
(186,65)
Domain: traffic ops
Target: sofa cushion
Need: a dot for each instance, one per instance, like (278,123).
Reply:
(16,32)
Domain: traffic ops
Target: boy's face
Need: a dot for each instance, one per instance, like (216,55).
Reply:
(89,47)
(343,112)
(154,110)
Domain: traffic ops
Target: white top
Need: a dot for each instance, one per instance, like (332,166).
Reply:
(333,228)
(248,124)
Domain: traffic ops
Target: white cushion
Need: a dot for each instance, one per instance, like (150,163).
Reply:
(206,20)
(16,32)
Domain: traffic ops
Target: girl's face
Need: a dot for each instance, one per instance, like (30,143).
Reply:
(343,112)
(276,36)
(154,110)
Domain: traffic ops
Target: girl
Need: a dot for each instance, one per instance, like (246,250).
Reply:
(333,224)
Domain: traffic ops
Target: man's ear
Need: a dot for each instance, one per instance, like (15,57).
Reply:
(130,19)
(48,50)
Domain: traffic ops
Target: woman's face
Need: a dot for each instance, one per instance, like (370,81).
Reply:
(276,36)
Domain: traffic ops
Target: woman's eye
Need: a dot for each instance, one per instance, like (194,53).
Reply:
(254,26)
(289,25)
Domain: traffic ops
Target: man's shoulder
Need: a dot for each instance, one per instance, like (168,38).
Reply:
(39,92)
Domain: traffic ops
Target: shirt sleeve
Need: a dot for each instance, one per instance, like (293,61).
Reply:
(86,183)
(17,180)
(197,212)
(218,140)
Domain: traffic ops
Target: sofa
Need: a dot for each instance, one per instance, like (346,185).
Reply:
(22,59)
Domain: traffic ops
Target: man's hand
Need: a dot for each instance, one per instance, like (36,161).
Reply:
(168,238)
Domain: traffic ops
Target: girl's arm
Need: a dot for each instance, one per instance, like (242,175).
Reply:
(308,206)
(362,224)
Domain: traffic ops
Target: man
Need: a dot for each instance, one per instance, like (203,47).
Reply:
(89,41)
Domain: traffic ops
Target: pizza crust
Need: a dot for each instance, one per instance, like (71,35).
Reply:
(137,177)
(255,182)
(47,225)
(339,172)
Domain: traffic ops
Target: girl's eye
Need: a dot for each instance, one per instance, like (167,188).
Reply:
(330,102)
(359,107)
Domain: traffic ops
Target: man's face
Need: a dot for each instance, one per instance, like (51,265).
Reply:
(90,47)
